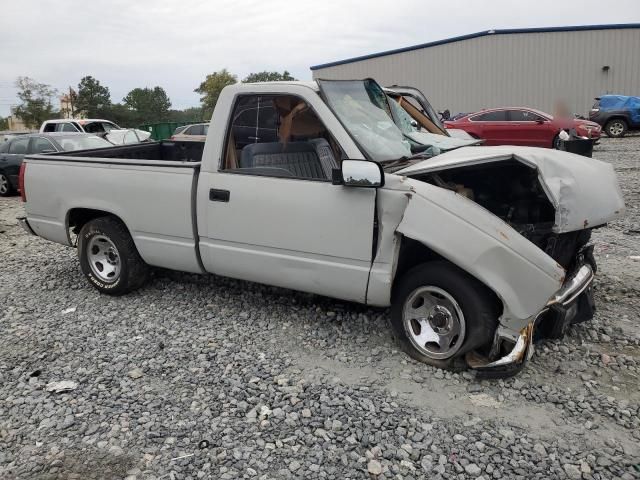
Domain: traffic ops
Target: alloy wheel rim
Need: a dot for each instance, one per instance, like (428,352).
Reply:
(4,184)
(104,259)
(616,128)
(434,322)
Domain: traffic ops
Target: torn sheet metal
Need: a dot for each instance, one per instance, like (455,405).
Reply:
(391,203)
(443,143)
(584,191)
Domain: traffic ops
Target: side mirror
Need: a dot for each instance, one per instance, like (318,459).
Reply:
(539,121)
(359,173)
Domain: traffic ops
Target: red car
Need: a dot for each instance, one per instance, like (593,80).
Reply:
(521,126)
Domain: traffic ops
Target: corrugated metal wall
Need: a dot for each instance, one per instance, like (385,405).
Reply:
(532,69)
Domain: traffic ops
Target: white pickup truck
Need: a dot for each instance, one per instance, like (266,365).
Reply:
(311,186)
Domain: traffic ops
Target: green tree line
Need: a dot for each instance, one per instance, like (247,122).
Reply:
(92,99)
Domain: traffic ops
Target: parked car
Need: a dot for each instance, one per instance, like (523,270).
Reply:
(616,113)
(94,125)
(86,125)
(12,152)
(7,135)
(196,132)
(521,126)
(472,249)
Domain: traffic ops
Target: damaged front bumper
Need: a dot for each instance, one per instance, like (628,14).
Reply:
(561,310)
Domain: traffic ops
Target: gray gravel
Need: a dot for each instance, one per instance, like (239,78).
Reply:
(203,377)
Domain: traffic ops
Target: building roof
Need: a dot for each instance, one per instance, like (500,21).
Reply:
(484,33)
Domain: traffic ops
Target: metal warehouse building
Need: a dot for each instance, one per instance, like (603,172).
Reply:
(533,67)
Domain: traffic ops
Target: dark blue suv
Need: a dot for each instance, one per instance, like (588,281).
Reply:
(616,114)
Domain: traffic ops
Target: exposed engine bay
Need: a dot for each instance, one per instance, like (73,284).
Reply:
(512,191)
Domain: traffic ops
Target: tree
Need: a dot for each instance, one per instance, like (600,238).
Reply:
(191,114)
(35,102)
(122,116)
(93,99)
(267,77)
(150,105)
(4,123)
(210,89)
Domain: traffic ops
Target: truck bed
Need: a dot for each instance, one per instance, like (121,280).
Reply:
(142,184)
(166,150)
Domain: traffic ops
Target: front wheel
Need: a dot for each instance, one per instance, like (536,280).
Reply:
(109,258)
(616,128)
(439,313)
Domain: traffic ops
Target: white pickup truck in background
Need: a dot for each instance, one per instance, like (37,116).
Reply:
(311,186)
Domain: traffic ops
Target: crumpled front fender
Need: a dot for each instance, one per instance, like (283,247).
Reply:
(522,275)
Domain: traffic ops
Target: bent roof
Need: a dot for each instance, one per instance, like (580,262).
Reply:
(506,31)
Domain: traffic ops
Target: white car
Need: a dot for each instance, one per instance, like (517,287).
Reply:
(473,249)
(112,132)
(84,125)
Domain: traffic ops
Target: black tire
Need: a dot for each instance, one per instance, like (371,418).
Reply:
(479,307)
(616,128)
(555,143)
(133,272)
(6,190)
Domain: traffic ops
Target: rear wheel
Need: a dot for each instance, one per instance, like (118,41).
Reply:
(109,258)
(616,128)
(5,186)
(439,313)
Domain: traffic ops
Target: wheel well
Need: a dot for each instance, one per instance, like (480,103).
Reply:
(78,217)
(413,253)
(617,117)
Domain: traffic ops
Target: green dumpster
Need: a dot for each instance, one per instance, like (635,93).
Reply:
(163,130)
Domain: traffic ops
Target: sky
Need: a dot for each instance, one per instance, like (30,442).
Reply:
(174,44)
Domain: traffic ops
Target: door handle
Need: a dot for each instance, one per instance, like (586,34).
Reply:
(216,195)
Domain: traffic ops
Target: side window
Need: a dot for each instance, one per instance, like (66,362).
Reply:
(50,127)
(188,131)
(197,130)
(523,116)
(40,145)
(19,146)
(279,136)
(496,116)
(95,127)
(67,127)
(4,146)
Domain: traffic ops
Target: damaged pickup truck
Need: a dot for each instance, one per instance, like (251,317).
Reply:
(474,249)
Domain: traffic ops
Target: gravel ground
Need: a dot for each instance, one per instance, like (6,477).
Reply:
(204,377)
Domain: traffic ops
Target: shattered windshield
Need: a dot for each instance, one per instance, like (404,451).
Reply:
(403,119)
(361,106)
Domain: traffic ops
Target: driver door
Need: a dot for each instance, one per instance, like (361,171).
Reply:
(271,214)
